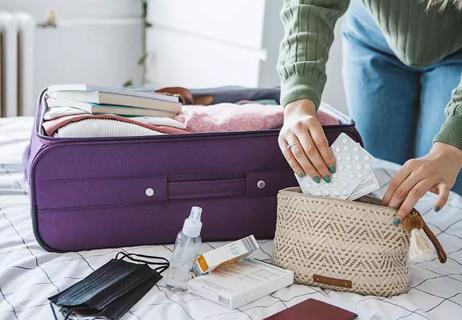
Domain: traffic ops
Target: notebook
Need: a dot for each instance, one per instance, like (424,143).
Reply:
(113,96)
(313,309)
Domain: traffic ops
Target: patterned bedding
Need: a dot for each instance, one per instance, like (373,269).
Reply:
(28,274)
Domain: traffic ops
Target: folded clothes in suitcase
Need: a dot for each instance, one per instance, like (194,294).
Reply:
(91,193)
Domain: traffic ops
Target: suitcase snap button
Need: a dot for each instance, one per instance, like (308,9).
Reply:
(261,184)
(149,192)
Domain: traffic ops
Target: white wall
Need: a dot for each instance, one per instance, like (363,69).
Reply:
(272,35)
(95,41)
(334,93)
(205,43)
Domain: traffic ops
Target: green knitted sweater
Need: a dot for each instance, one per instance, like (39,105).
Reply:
(417,36)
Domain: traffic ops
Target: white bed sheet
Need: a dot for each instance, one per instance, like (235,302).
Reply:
(29,274)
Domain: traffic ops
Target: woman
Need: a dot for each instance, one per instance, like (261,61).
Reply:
(402,60)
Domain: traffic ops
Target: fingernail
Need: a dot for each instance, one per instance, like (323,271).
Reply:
(326,178)
(396,221)
(317,179)
(437,208)
(301,174)
(332,169)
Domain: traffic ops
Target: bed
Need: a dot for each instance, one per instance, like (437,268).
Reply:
(29,274)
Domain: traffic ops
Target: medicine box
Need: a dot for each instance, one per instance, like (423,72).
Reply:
(225,255)
(238,284)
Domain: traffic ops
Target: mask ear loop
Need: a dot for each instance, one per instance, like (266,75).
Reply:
(71,311)
(53,311)
(163,265)
(159,270)
(132,256)
(66,316)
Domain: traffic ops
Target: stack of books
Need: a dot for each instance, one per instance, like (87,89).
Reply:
(123,102)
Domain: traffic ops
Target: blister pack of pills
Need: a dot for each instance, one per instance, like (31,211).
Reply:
(354,176)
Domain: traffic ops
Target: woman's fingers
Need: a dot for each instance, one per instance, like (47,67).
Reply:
(299,153)
(295,151)
(320,140)
(312,152)
(293,163)
(395,183)
(403,190)
(308,149)
(417,192)
(443,195)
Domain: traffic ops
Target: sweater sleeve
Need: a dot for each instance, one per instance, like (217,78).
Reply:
(308,35)
(451,130)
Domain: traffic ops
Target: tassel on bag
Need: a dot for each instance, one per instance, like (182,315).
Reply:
(420,246)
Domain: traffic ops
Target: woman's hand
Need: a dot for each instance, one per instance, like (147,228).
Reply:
(304,144)
(435,172)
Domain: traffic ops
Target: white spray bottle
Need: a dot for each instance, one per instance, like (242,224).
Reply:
(186,249)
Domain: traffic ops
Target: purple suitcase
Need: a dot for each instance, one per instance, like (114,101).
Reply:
(89,193)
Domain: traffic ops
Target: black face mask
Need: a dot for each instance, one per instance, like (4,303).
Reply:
(110,291)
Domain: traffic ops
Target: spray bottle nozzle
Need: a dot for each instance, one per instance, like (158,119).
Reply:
(196,213)
(193,225)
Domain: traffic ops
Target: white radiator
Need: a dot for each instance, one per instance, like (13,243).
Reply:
(16,64)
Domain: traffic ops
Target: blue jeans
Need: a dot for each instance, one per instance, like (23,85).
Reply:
(398,109)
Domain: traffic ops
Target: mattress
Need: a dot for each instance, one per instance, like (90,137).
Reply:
(29,274)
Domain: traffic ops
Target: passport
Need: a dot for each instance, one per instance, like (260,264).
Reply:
(313,309)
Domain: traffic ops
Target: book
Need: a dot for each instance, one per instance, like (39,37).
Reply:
(238,284)
(137,92)
(113,96)
(93,108)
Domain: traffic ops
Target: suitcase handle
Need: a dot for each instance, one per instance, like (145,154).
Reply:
(180,190)
(254,184)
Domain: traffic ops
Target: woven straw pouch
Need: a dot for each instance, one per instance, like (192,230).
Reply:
(342,245)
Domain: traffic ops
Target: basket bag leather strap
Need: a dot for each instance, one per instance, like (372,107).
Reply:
(442,257)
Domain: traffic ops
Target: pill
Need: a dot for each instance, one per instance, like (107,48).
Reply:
(348,158)
(349,166)
(345,148)
(344,184)
(352,176)
(356,157)
(341,167)
(336,193)
(339,158)
(345,140)
(337,149)
(367,166)
(355,149)
(325,193)
(359,175)
(359,167)
(334,183)
(345,192)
